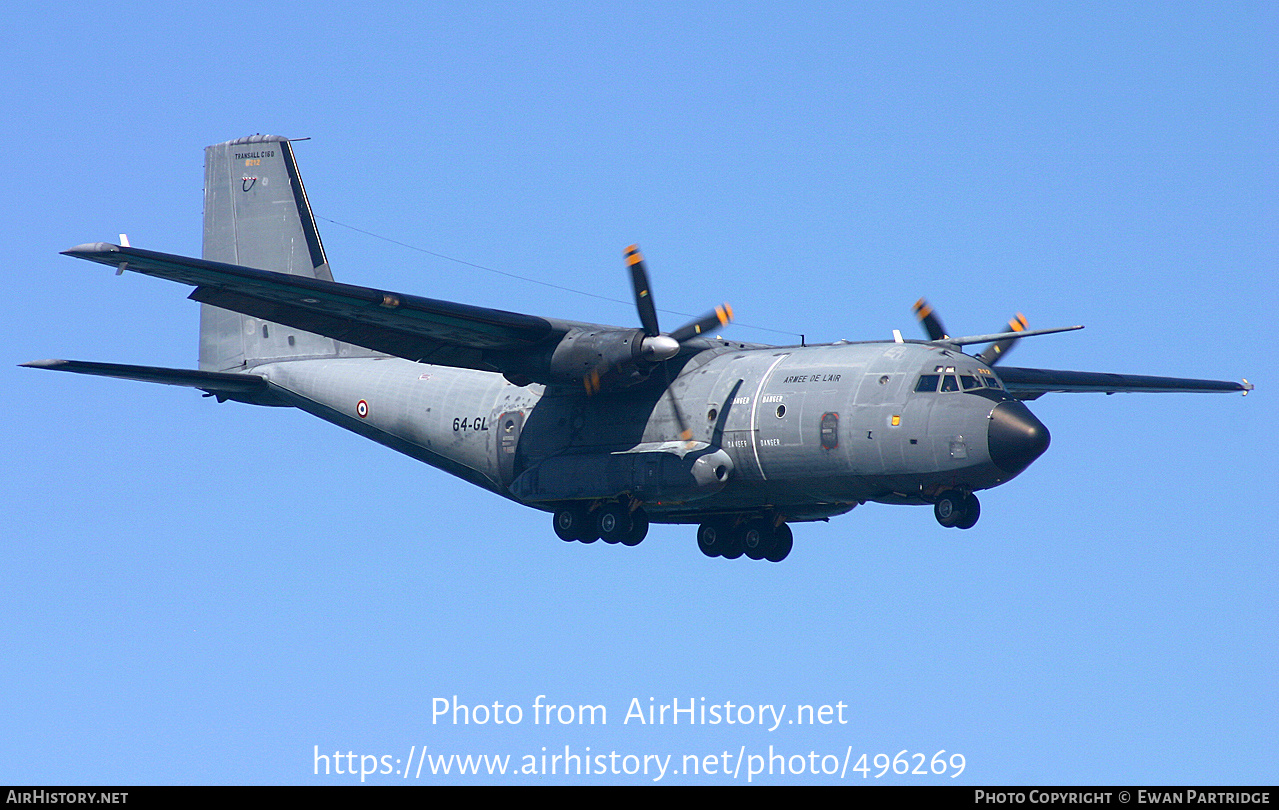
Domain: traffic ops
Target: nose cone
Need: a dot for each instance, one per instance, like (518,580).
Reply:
(1015,437)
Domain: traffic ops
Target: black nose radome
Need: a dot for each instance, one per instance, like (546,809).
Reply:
(1015,437)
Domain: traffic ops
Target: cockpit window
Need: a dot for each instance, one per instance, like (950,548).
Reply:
(948,379)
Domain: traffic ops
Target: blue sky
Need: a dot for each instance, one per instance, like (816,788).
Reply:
(203,593)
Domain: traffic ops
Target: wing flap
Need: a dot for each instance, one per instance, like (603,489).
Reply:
(1032,383)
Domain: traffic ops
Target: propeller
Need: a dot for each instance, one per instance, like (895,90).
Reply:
(996,351)
(685,432)
(932,324)
(993,353)
(657,346)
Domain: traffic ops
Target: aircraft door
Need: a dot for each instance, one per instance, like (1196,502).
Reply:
(779,423)
(738,408)
(917,450)
(509,426)
(879,444)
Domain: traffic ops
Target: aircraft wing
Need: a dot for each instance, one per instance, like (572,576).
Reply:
(408,326)
(1032,383)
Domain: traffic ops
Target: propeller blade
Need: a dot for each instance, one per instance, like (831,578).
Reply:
(685,433)
(996,351)
(932,324)
(655,346)
(643,295)
(719,317)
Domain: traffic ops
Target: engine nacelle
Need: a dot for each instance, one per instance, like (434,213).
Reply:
(608,358)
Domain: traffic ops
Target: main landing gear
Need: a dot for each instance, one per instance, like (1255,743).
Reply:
(957,509)
(757,538)
(610,522)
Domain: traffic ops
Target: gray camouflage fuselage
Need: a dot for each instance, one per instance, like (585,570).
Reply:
(809,431)
(607,427)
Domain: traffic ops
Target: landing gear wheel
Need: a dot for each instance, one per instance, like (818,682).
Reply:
(613,522)
(972,511)
(569,523)
(712,537)
(735,542)
(783,541)
(639,528)
(949,508)
(757,539)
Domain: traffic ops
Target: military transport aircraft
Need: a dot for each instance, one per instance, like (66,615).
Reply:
(605,427)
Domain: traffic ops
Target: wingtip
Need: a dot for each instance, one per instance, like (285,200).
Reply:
(91,249)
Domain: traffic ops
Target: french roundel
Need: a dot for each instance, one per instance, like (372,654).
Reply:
(361,409)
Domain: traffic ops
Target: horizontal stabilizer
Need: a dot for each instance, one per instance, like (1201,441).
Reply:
(246,387)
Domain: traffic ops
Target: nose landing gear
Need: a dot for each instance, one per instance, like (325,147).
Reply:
(957,509)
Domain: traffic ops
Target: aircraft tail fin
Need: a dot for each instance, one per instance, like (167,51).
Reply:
(256,214)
